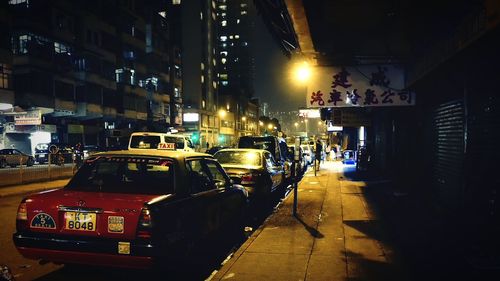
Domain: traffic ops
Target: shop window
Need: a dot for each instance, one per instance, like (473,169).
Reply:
(5,76)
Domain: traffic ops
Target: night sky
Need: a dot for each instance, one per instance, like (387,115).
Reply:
(272,82)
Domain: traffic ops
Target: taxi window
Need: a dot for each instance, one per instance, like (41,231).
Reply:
(199,176)
(124,174)
(179,142)
(145,142)
(217,173)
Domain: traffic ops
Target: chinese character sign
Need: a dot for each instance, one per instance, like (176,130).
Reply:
(378,85)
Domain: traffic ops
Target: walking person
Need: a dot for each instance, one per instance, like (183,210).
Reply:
(318,152)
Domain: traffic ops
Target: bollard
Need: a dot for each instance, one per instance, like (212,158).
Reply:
(296,159)
(21,169)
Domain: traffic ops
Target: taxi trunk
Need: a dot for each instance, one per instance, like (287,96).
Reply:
(78,213)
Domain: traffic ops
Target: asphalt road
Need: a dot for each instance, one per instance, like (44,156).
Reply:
(208,258)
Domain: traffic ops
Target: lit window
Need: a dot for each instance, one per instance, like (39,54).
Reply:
(176,2)
(223,38)
(15,2)
(243,12)
(236,36)
(203,104)
(224,45)
(244,44)
(202,66)
(223,7)
(202,79)
(223,53)
(201,16)
(224,83)
(223,60)
(223,76)
(231,37)
(238,21)
(163,14)
(224,23)
(214,84)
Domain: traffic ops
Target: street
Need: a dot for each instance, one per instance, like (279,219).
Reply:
(206,260)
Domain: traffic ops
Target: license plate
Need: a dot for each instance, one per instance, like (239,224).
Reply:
(80,221)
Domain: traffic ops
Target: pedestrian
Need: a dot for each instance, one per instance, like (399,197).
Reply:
(327,151)
(208,145)
(318,151)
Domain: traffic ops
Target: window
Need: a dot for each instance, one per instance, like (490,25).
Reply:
(243,12)
(217,173)
(125,174)
(224,23)
(223,38)
(198,176)
(224,83)
(5,76)
(60,48)
(16,2)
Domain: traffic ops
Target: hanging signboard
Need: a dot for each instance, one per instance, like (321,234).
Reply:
(360,86)
(29,118)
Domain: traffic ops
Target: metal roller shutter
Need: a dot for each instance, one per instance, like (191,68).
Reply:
(448,142)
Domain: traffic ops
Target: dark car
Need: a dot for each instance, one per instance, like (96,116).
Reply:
(134,209)
(277,148)
(14,157)
(212,150)
(255,169)
(44,151)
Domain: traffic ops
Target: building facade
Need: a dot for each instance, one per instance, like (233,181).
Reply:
(89,71)
(199,67)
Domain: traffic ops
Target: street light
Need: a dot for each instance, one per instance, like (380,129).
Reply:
(243,118)
(222,113)
(302,72)
(261,123)
(270,126)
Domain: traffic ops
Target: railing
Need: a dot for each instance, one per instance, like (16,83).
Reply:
(22,173)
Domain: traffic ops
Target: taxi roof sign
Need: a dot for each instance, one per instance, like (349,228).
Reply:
(166,145)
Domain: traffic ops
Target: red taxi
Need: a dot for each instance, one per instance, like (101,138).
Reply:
(130,209)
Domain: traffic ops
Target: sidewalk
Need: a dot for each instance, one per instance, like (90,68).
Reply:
(336,236)
(31,187)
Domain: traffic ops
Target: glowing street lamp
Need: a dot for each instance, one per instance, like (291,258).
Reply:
(222,113)
(261,123)
(243,118)
(270,126)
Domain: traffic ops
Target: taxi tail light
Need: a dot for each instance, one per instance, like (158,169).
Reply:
(22,216)
(145,225)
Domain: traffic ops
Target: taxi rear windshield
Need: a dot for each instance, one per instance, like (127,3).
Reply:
(135,175)
(239,158)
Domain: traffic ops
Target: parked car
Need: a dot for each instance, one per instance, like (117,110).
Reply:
(212,150)
(89,150)
(255,169)
(133,209)
(275,146)
(152,140)
(14,157)
(58,152)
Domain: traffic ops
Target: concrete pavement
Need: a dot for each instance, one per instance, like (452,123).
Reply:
(336,236)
